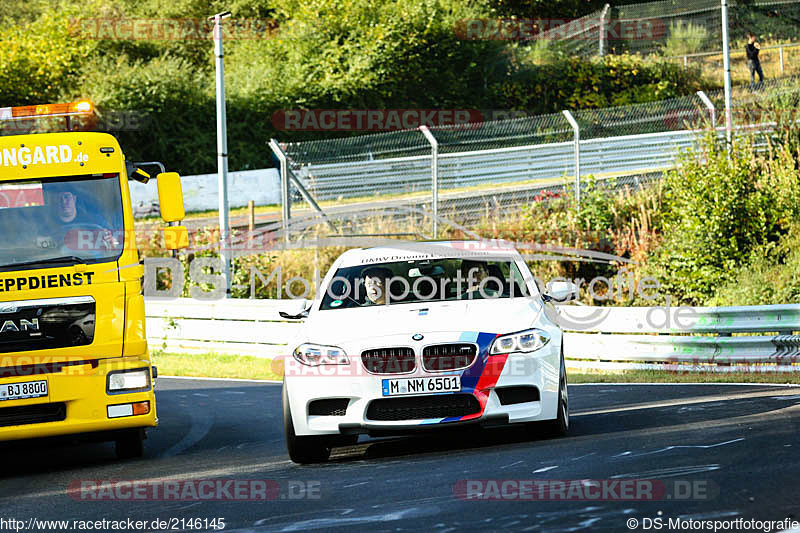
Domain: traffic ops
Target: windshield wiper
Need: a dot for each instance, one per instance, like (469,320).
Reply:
(51,260)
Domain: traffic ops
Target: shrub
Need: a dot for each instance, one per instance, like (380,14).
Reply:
(173,105)
(38,58)
(770,276)
(684,38)
(717,210)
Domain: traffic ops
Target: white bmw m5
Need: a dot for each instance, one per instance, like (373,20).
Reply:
(424,335)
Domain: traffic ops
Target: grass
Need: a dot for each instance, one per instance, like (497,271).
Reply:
(245,367)
(711,66)
(211,365)
(662,376)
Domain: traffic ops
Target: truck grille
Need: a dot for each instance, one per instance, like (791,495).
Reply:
(46,324)
(389,360)
(419,407)
(448,356)
(32,414)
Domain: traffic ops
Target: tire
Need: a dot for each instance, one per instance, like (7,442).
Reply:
(130,444)
(560,426)
(303,450)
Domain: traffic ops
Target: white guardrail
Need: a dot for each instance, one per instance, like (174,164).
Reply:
(629,337)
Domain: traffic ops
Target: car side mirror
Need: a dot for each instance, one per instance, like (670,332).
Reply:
(560,291)
(291,312)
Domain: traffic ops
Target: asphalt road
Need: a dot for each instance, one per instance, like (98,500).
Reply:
(735,446)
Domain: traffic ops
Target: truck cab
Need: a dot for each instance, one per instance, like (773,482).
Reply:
(73,353)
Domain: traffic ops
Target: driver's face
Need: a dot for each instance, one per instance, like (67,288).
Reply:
(479,273)
(375,292)
(66,206)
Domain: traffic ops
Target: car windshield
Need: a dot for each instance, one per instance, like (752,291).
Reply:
(60,220)
(423,281)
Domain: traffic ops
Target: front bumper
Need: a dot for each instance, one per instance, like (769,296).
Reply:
(482,379)
(81,389)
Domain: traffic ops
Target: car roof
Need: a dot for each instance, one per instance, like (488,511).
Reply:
(409,251)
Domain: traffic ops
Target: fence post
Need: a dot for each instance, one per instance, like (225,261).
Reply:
(577,129)
(434,177)
(685,61)
(286,206)
(603,16)
(711,111)
(780,55)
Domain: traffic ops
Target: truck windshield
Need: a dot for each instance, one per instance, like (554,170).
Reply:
(60,221)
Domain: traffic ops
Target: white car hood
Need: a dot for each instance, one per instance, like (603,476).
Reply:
(501,315)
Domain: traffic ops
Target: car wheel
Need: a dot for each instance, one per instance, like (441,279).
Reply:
(130,444)
(302,450)
(560,426)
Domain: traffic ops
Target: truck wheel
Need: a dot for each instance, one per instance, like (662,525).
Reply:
(130,444)
(303,450)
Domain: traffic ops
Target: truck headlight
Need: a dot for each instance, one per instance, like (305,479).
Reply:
(128,380)
(317,354)
(529,340)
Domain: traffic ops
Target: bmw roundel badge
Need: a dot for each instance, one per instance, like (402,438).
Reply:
(417,336)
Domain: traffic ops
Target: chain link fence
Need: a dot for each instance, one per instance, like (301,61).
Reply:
(486,169)
(673,28)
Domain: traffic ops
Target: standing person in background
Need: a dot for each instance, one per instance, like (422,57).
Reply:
(753,63)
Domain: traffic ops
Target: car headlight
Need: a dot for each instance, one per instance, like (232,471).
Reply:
(129,380)
(317,354)
(529,340)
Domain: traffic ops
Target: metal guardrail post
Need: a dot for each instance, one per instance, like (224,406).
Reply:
(577,129)
(286,206)
(434,177)
(711,110)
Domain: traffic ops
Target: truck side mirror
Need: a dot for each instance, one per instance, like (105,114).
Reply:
(170,201)
(170,196)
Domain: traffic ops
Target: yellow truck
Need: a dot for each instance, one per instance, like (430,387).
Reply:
(73,352)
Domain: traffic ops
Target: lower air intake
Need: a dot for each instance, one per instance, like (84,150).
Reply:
(328,407)
(32,414)
(421,407)
(512,395)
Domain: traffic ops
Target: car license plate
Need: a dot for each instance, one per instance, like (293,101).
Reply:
(404,386)
(19,391)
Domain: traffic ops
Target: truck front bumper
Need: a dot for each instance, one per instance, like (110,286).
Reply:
(77,401)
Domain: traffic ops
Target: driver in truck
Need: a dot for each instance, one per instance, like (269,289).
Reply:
(81,227)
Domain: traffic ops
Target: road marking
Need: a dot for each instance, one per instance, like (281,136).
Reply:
(201,424)
(683,402)
(669,472)
(677,446)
